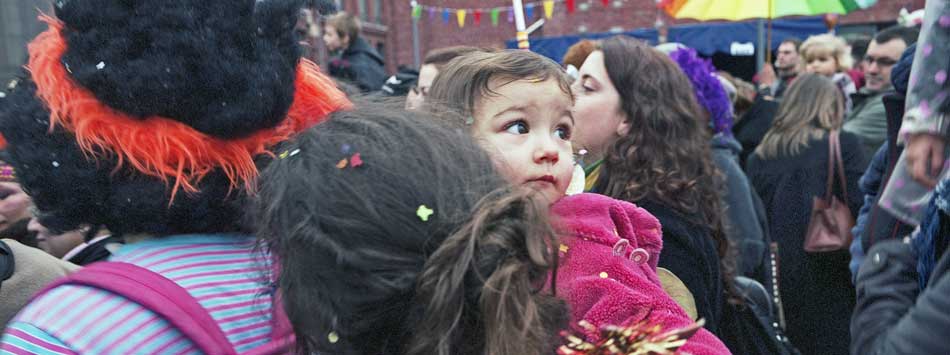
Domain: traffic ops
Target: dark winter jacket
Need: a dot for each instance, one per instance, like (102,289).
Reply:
(873,222)
(893,316)
(94,252)
(360,64)
(690,253)
(816,288)
(753,125)
(743,218)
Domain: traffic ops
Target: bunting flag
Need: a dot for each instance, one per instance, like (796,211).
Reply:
(495,13)
(548,9)
(460,16)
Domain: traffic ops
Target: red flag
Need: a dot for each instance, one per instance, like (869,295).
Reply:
(606,2)
(478,16)
(570,6)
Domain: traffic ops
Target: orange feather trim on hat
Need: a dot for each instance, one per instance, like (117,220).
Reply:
(159,146)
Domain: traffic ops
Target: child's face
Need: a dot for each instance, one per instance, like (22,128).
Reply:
(526,126)
(822,64)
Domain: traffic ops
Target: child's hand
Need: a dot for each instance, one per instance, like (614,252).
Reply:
(924,154)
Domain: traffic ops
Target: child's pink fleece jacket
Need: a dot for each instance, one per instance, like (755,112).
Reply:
(607,274)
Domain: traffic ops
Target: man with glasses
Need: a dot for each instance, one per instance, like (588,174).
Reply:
(868,118)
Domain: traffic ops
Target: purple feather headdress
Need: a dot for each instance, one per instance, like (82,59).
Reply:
(709,91)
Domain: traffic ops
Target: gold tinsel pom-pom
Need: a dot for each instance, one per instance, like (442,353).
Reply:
(638,339)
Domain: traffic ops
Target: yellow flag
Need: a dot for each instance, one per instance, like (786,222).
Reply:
(460,14)
(548,9)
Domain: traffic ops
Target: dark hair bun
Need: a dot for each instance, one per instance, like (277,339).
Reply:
(188,60)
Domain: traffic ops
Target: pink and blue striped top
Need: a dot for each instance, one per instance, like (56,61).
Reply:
(225,273)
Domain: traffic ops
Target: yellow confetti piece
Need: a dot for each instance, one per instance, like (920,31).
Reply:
(341,164)
(333,337)
(284,154)
(563,248)
(424,212)
(603,274)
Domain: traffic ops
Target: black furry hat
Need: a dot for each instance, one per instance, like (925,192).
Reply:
(146,116)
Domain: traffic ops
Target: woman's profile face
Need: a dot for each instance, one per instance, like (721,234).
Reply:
(599,121)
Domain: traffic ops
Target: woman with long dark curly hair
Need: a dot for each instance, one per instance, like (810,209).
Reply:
(642,128)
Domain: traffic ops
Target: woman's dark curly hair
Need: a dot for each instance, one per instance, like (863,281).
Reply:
(359,262)
(666,156)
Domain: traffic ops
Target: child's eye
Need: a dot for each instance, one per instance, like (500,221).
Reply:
(517,127)
(563,132)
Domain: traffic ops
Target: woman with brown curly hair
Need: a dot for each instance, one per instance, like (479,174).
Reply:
(642,128)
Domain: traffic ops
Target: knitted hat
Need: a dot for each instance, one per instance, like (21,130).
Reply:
(900,73)
(146,116)
(709,91)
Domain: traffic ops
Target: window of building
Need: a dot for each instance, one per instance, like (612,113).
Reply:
(378,11)
(361,9)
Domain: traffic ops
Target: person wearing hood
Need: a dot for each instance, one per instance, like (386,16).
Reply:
(745,216)
(356,62)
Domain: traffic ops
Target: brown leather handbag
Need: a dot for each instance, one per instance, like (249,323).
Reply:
(830,226)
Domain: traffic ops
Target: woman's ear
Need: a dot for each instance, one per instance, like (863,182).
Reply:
(623,127)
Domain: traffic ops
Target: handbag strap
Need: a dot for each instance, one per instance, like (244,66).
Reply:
(835,160)
(840,163)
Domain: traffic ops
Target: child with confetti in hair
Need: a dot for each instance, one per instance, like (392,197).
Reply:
(518,107)
(395,235)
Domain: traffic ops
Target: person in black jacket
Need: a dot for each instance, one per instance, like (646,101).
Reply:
(647,142)
(789,169)
(356,61)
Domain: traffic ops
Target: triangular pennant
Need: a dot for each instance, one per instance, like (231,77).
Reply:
(460,16)
(511,15)
(431,13)
(494,16)
(416,12)
(548,9)
(445,15)
(570,6)
(605,2)
(477,16)
(528,12)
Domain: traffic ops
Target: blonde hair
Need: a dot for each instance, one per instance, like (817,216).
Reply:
(828,45)
(812,106)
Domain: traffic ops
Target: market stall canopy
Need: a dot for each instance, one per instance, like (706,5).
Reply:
(736,38)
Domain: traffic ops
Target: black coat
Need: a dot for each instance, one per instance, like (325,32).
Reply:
(753,125)
(815,288)
(744,216)
(892,315)
(95,252)
(690,253)
(361,65)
